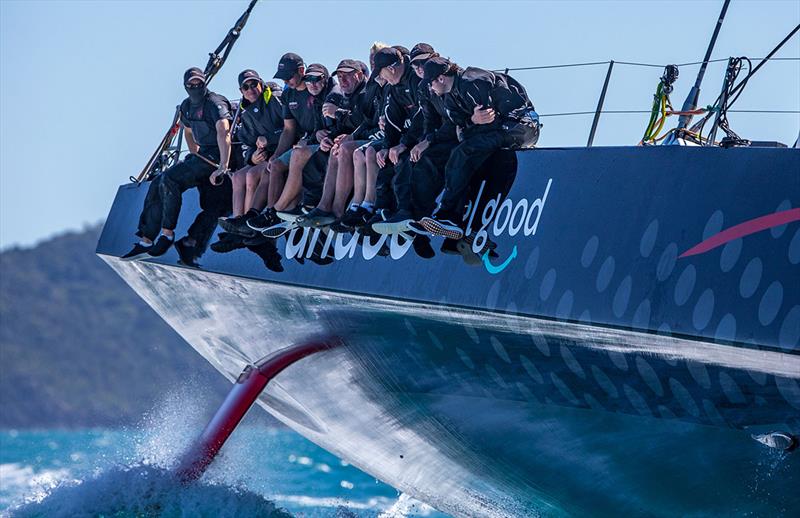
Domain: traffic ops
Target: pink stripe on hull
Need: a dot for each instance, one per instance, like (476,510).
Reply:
(744,229)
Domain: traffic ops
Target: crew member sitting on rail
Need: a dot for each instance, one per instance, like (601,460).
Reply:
(310,156)
(206,118)
(492,111)
(261,116)
(346,110)
(362,202)
(300,124)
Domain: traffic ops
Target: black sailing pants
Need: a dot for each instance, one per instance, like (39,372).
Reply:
(473,151)
(192,172)
(215,201)
(427,177)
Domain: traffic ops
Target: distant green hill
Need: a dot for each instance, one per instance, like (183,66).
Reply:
(78,347)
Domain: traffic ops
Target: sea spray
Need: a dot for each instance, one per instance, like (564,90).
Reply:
(144,484)
(127,472)
(143,490)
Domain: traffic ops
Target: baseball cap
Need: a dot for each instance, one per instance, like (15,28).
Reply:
(434,67)
(288,66)
(402,49)
(193,73)
(316,72)
(421,51)
(248,75)
(348,65)
(384,58)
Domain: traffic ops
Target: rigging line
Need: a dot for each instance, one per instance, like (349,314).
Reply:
(564,114)
(630,63)
(542,67)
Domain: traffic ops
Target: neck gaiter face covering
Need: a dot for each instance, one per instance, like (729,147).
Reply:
(196,95)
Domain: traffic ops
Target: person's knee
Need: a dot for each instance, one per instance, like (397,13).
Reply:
(371,153)
(252,179)
(358,157)
(300,155)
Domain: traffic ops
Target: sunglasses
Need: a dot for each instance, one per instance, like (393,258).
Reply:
(312,79)
(247,85)
(194,86)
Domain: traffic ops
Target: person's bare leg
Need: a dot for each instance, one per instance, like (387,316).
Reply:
(238,184)
(359,176)
(259,200)
(294,182)
(252,181)
(370,191)
(344,179)
(329,187)
(277,179)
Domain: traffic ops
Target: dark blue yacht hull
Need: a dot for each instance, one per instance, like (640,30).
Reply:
(638,328)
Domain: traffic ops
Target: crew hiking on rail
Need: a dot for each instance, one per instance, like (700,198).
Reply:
(370,153)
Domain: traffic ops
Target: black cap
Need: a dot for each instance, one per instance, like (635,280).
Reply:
(421,51)
(249,75)
(434,67)
(316,72)
(384,58)
(348,65)
(193,73)
(288,66)
(402,49)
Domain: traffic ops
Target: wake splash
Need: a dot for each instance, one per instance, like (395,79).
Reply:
(146,490)
(144,484)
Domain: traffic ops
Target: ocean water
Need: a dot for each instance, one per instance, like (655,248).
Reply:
(260,471)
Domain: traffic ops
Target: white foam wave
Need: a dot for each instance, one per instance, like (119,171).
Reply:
(407,506)
(145,491)
(378,503)
(20,479)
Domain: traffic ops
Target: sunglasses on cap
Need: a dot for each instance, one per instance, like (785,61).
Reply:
(247,85)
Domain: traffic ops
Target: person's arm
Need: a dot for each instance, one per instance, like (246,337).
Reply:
(393,122)
(190,143)
(287,139)
(223,127)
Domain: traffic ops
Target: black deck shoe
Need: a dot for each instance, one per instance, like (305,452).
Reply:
(186,253)
(316,218)
(398,222)
(160,247)
(337,226)
(293,214)
(380,216)
(227,243)
(423,248)
(137,252)
(442,227)
(263,221)
(278,229)
(355,218)
(238,224)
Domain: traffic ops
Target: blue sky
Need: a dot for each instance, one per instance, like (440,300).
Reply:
(88,88)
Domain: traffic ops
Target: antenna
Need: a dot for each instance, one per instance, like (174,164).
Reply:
(694,94)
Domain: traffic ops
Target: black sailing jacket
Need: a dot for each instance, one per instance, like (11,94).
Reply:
(263,118)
